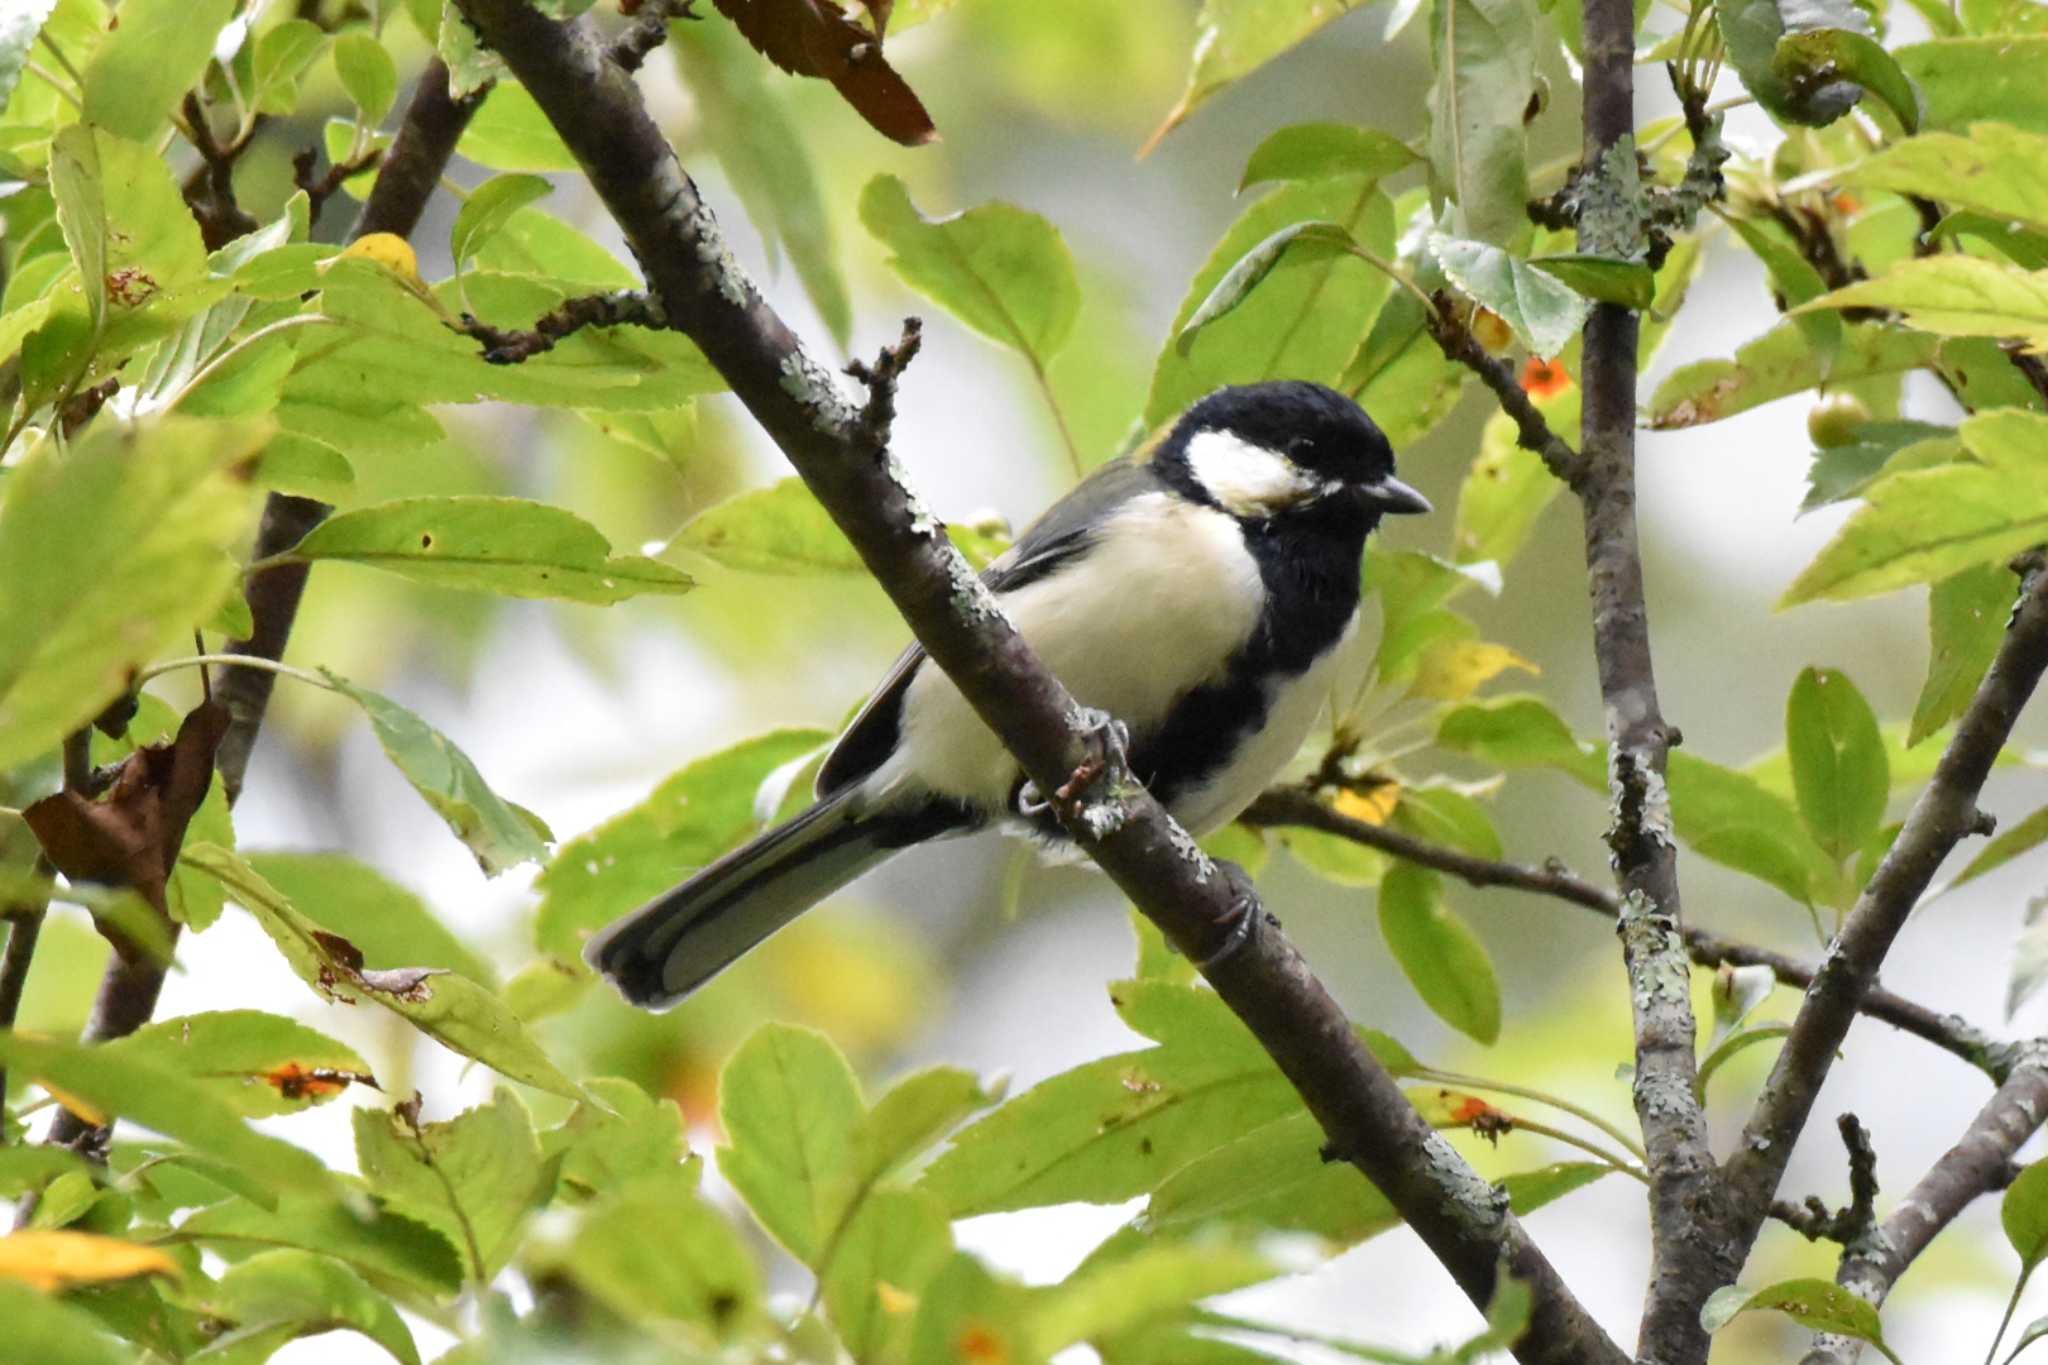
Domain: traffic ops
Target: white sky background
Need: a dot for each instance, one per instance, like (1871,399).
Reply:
(1718,509)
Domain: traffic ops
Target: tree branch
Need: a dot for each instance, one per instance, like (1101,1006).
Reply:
(1688,1261)
(1980,1162)
(1532,431)
(1206,911)
(1298,806)
(1945,811)
(24,920)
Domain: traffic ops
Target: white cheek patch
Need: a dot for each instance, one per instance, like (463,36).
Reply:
(1248,480)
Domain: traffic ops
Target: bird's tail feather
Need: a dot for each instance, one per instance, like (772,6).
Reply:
(670,946)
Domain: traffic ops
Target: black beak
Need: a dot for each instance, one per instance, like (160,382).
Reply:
(1392,496)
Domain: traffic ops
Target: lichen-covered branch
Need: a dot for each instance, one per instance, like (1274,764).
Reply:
(1205,910)
(1944,812)
(1979,1163)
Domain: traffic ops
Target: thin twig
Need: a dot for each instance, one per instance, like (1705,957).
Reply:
(1532,430)
(1944,812)
(1979,1163)
(1208,911)
(648,31)
(1298,806)
(505,346)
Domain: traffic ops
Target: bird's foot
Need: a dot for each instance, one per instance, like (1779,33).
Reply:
(1113,741)
(1242,924)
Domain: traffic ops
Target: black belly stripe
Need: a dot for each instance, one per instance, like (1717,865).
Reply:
(1309,565)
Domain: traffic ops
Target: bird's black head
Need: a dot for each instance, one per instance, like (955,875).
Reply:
(1263,450)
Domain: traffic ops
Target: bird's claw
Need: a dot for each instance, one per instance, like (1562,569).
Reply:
(1114,740)
(1242,926)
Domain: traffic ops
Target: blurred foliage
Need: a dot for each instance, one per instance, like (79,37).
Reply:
(180,333)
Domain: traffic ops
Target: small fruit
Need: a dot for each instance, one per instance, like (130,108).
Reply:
(1835,419)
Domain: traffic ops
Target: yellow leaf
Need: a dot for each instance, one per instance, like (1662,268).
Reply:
(53,1260)
(91,1113)
(391,251)
(1452,670)
(1374,806)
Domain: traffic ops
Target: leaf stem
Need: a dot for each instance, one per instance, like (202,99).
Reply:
(1059,416)
(157,670)
(1530,1093)
(213,366)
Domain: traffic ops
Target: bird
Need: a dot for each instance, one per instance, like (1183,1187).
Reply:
(1200,593)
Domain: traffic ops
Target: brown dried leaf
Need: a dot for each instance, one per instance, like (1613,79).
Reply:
(130,836)
(816,38)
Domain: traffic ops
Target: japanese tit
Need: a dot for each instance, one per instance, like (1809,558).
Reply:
(1200,594)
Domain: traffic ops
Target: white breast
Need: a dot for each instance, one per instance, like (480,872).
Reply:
(1184,593)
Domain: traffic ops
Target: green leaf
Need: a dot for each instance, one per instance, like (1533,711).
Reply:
(1839,770)
(163,1100)
(1818,1305)
(898,1238)
(474,1178)
(2010,843)
(2020,245)
(685,823)
(1451,818)
(1529,1191)
(1843,471)
(748,124)
(1303,242)
(1002,270)
(1729,817)
(76,185)
(965,1302)
(451,1009)
(1116,1127)
(1105,1298)
(1484,87)
(1504,493)
(1400,375)
(313,1294)
(1952,295)
(255,1063)
(1782,361)
(146,63)
(471,66)
(382,1243)
(500,836)
(1519,732)
(489,207)
(1966,618)
(390,925)
(283,55)
(1995,170)
(1313,151)
(780,529)
(1542,310)
(788,1103)
(1234,38)
(1438,952)
(111,552)
(50,1331)
(2030,949)
(912,1116)
(509,132)
(24,1170)
(1737,1041)
(1753,30)
(1965,81)
(1603,279)
(1822,57)
(367,73)
(1794,279)
(1923,525)
(532,242)
(501,545)
(1305,319)
(697,1272)
(2024,1214)
(1274,1177)
(604,1148)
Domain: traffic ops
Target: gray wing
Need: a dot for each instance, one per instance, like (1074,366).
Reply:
(1058,534)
